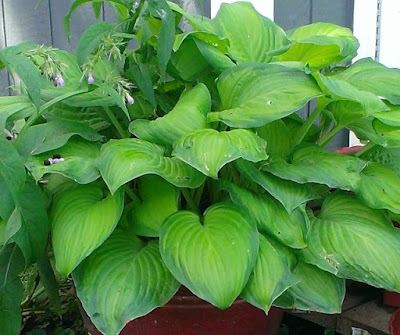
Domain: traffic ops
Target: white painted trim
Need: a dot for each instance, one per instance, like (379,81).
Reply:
(389,54)
(264,7)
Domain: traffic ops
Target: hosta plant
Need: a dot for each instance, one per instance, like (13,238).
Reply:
(155,157)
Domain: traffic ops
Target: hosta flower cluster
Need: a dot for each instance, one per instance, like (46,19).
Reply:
(154,157)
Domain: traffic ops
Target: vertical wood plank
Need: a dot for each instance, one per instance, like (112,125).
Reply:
(81,19)
(290,14)
(339,12)
(4,83)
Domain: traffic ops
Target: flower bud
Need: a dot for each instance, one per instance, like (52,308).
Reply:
(58,81)
(90,78)
(129,99)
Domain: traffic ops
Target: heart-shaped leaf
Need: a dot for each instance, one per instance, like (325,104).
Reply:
(227,146)
(188,114)
(52,135)
(79,161)
(271,275)
(315,165)
(379,187)
(354,241)
(213,256)
(159,200)
(319,45)
(123,160)
(316,291)
(254,94)
(122,280)
(371,76)
(270,216)
(82,219)
(290,194)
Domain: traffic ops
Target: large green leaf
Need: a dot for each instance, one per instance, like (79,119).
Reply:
(91,39)
(52,135)
(123,160)
(214,255)
(82,219)
(389,157)
(371,76)
(379,187)
(28,224)
(278,137)
(248,42)
(390,117)
(290,194)
(255,94)
(316,165)
(317,291)
(188,114)
(140,74)
(354,241)
(122,280)
(218,60)
(11,289)
(13,106)
(209,150)
(79,161)
(319,45)
(221,44)
(159,200)
(270,216)
(271,275)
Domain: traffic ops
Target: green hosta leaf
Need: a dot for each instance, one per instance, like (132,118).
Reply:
(255,94)
(320,44)
(389,157)
(91,39)
(122,280)
(214,57)
(123,160)
(188,114)
(28,225)
(371,76)
(159,200)
(270,216)
(278,137)
(12,169)
(354,241)
(271,276)
(213,256)
(379,187)
(209,150)
(290,194)
(339,89)
(317,291)
(79,161)
(315,165)
(390,117)
(52,135)
(248,42)
(13,105)
(11,289)
(2,232)
(221,44)
(82,219)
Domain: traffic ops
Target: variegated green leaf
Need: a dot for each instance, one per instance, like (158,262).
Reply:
(255,94)
(194,149)
(122,280)
(271,275)
(214,255)
(354,241)
(316,291)
(82,219)
(188,114)
(270,216)
(316,165)
(123,160)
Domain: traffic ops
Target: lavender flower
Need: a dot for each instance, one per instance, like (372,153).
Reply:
(129,99)
(58,81)
(90,78)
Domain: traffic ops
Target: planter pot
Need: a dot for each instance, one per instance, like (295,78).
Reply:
(391,299)
(185,314)
(394,323)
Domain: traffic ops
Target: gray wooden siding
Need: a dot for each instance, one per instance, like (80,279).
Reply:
(20,21)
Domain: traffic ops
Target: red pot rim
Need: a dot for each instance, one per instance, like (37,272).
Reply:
(394,323)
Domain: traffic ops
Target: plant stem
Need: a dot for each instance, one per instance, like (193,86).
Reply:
(307,125)
(199,193)
(189,200)
(325,140)
(366,147)
(132,195)
(115,122)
